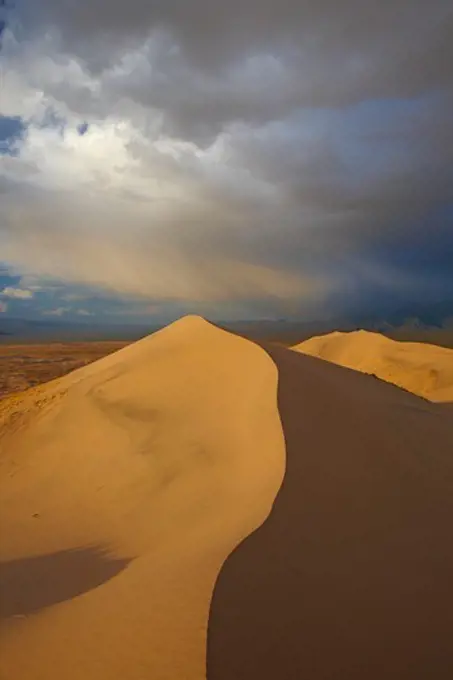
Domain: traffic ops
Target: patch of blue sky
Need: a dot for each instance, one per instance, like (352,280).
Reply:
(12,129)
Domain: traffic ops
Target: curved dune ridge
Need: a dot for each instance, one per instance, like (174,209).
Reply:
(350,577)
(123,490)
(146,532)
(426,370)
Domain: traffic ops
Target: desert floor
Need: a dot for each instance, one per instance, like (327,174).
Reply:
(26,365)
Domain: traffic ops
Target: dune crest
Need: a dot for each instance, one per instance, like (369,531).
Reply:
(425,370)
(149,468)
(350,577)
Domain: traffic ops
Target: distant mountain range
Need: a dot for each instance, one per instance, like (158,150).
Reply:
(425,318)
(30,330)
(432,317)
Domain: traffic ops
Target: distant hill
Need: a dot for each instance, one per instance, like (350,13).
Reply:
(424,369)
(29,330)
(293,332)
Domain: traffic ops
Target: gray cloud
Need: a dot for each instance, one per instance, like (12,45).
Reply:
(215,34)
(205,64)
(262,151)
(190,255)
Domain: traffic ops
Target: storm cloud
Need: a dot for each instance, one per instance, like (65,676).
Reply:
(287,157)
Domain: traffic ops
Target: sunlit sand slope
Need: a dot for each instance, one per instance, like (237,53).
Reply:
(124,486)
(426,370)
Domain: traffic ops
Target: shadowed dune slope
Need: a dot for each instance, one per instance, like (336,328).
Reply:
(426,370)
(123,488)
(350,578)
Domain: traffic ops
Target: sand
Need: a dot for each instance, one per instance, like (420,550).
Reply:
(146,531)
(350,578)
(426,370)
(124,486)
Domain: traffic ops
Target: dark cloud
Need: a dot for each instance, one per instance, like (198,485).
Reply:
(389,36)
(236,143)
(210,64)
(214,33)
(257,60)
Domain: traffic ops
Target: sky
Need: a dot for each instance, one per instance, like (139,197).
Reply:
(250,159)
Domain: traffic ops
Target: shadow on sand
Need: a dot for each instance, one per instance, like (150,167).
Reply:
(351,576)
(28,585)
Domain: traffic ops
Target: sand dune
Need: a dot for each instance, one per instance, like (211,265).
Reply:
(350,577)
(124,486)
(426,370)
(134,494)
